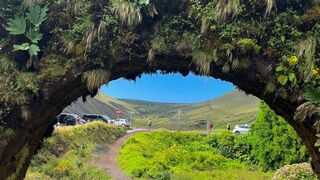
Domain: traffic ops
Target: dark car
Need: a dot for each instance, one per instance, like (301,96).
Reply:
(96,117)
(69,119)
(61,118)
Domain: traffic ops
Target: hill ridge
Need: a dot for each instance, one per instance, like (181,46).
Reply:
(232,107)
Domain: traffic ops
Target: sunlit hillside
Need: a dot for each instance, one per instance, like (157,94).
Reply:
(234,107)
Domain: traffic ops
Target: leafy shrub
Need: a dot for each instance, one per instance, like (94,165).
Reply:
(231,145)
(65,154)
(295,172)
(274,142)
(173,155)
(271,143)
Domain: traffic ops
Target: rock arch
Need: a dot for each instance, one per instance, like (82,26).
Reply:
(159,37)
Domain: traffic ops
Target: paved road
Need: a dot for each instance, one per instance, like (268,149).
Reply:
(108,160)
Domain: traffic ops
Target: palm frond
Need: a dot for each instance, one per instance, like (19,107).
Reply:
(226,8)
(96,78)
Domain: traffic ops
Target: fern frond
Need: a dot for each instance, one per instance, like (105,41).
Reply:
(312,94)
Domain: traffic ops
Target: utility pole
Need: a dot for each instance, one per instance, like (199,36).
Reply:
(179,118)
(208,117)
(130,118)
(208,126)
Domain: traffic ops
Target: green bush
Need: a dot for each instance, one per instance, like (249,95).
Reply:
(274,142)
(271,143)
(231,145)
(65,154)
(173,155)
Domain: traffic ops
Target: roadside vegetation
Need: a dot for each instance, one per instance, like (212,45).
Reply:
(270,145)
(184,155)
(66,153)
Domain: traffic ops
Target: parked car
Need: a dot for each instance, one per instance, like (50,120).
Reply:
(69,119)
(122,122)
(240,129)
(96,117)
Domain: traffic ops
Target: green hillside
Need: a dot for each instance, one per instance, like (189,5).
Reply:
(234,107)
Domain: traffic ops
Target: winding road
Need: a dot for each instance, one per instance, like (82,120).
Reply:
(108,161)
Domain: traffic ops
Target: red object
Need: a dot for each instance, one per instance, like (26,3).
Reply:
(210,125)
(118,112)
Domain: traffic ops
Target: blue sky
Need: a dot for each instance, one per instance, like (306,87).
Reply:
(168,88)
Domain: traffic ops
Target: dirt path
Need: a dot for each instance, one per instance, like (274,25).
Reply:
(108,161)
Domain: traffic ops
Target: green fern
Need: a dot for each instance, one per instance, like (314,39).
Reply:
(17,25)
(34,36)
(36,14)
(312,94)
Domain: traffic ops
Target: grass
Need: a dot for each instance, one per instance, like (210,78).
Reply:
(184,155)
(65,155)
